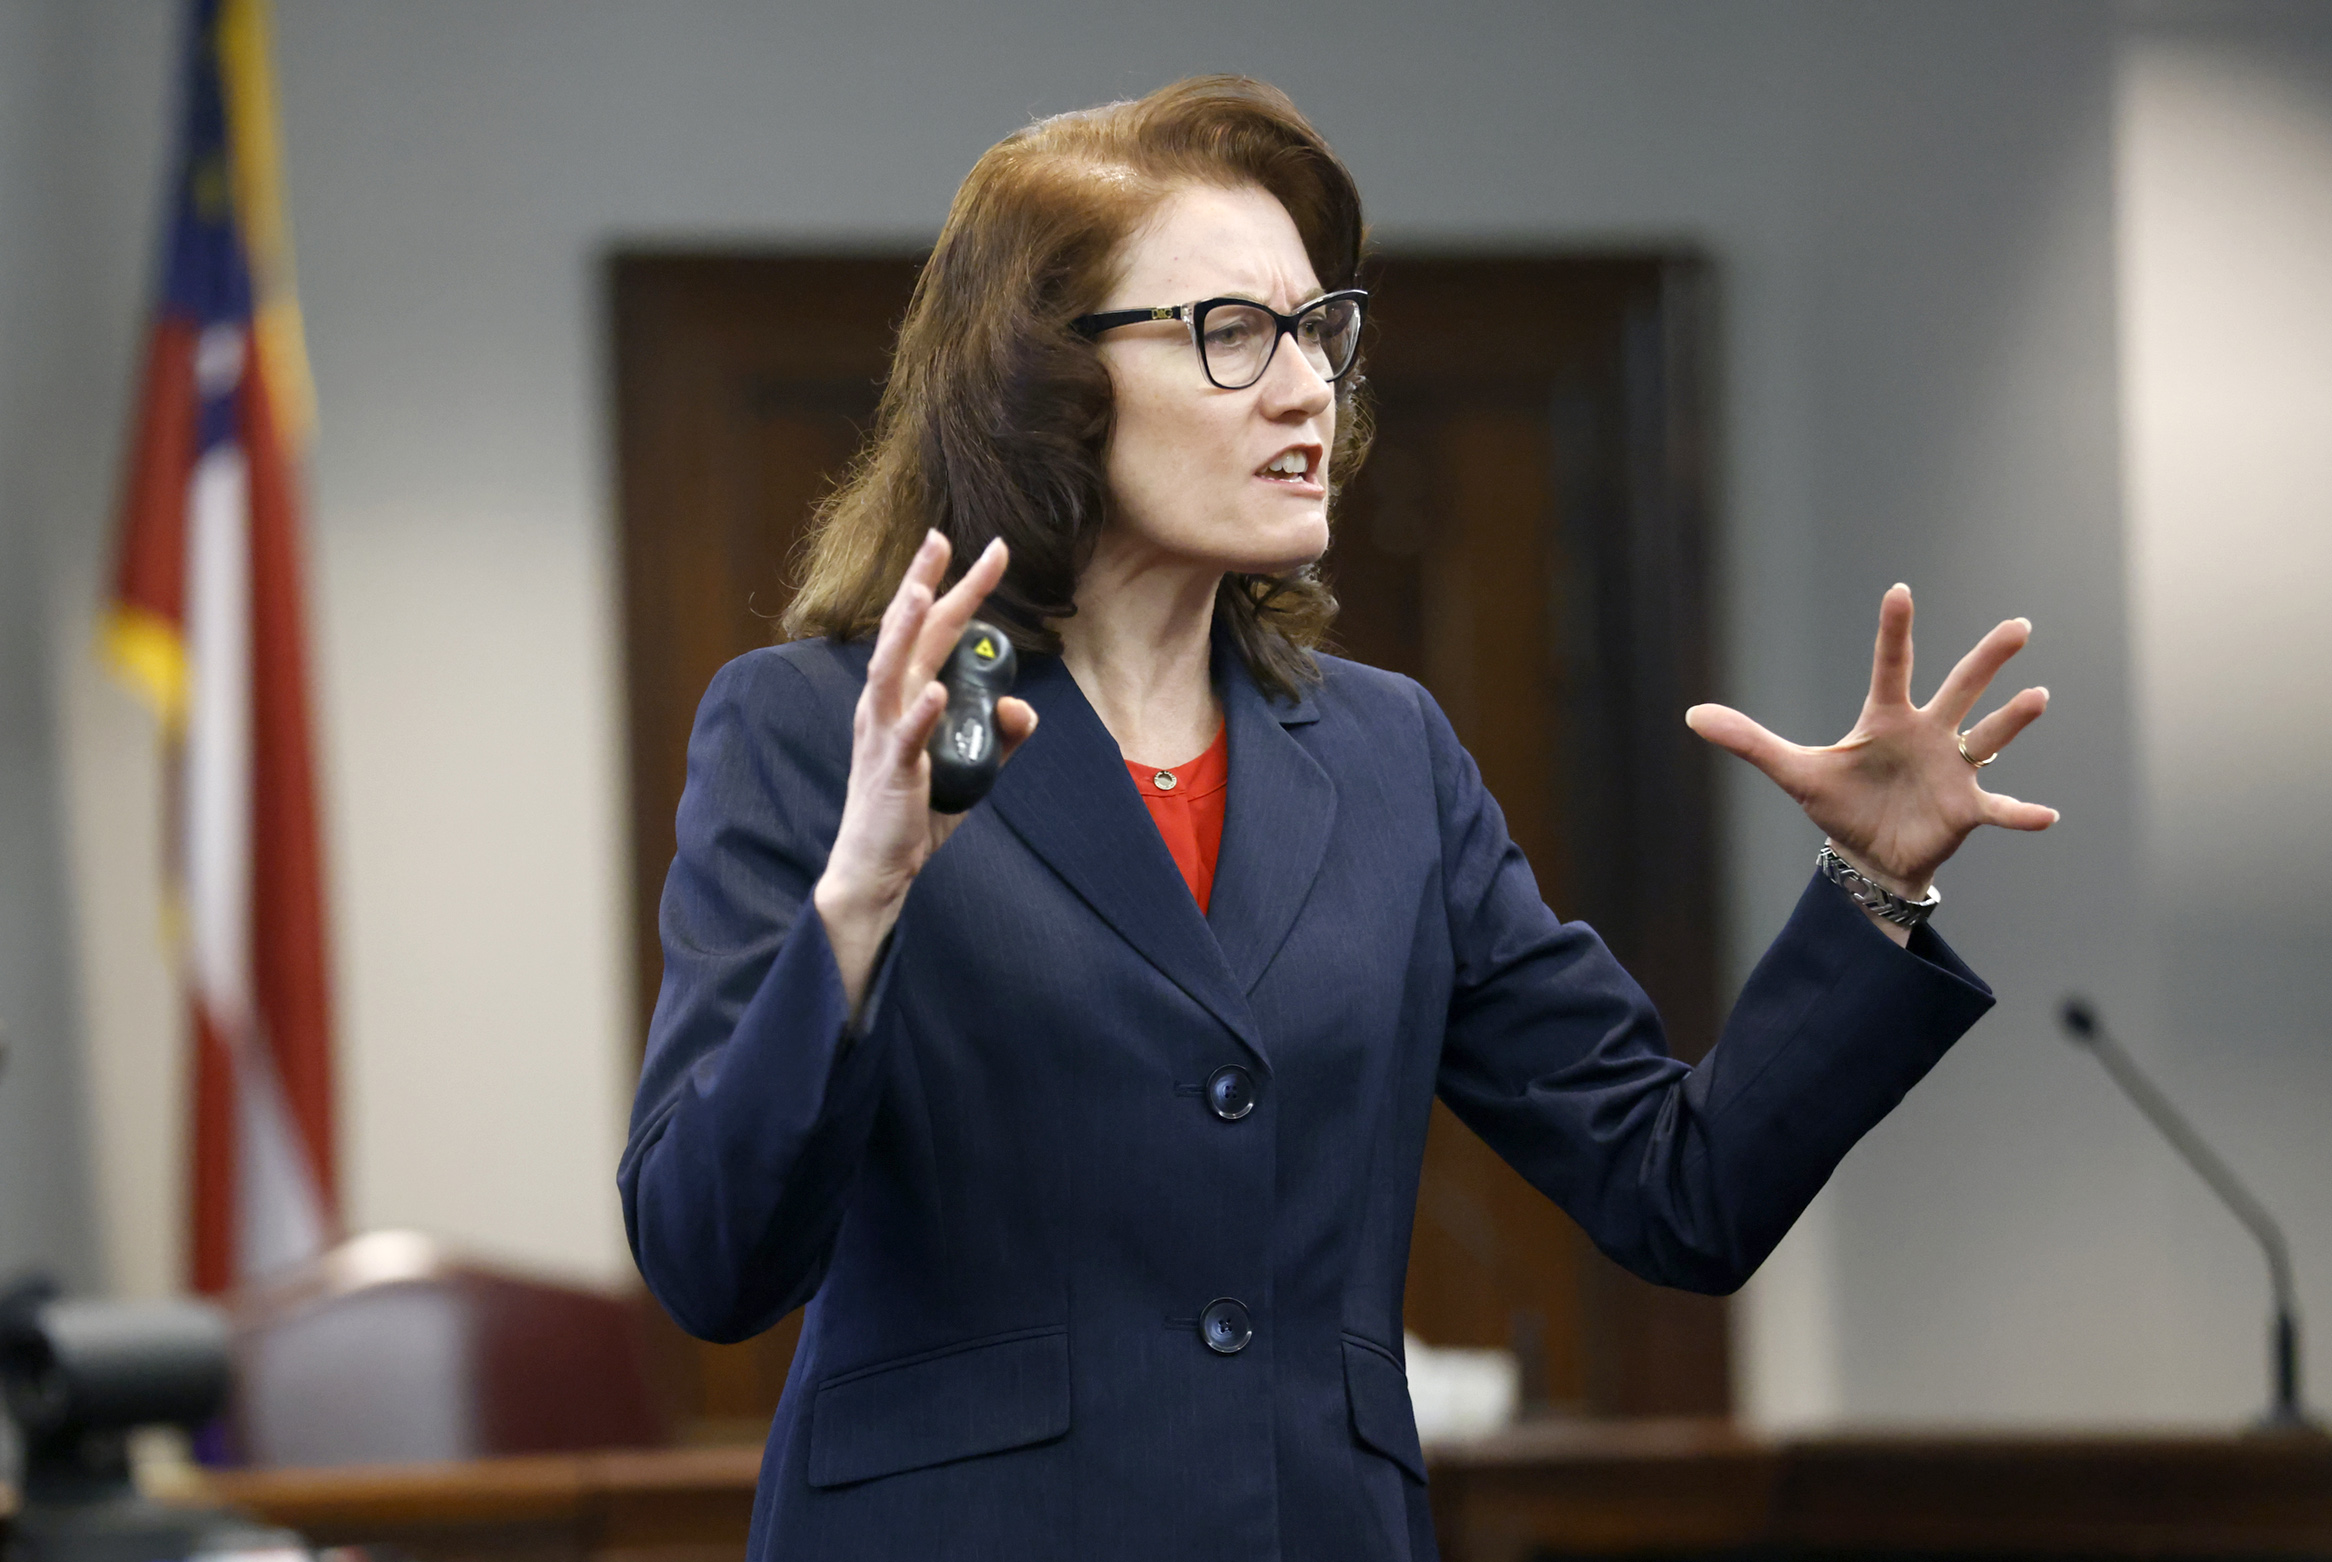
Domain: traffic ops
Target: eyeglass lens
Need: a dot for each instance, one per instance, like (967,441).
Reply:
(1238,340)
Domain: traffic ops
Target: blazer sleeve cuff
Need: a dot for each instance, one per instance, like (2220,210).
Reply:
(1827,907)
(1839,1001)
(1928,945)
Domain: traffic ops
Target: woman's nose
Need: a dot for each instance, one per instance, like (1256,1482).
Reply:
(1290,384)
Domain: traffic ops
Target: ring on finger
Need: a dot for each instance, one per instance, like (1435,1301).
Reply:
(1972,759)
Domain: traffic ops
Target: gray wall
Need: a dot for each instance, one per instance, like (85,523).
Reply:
(44,1180)
(1913,206)
(1960,368)
(2226,211)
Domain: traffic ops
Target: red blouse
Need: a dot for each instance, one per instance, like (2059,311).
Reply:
(1187,804)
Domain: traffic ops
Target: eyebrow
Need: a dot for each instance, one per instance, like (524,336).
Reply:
(1241,296)
(1250,298)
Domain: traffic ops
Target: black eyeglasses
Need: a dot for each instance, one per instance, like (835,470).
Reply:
(1236,337)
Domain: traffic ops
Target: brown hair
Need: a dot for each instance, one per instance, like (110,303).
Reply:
(996,414)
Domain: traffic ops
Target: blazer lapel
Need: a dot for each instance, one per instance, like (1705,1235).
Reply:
(1067,795)
(1282,810)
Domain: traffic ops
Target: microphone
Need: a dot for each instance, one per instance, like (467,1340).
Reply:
(2084,1029)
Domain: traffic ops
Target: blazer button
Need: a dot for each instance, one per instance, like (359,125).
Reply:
(1230,1093)
(1225,1326)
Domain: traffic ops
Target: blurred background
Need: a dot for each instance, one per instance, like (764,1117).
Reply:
(2023,304)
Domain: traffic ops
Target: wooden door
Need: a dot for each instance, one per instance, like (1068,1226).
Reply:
(1528,541)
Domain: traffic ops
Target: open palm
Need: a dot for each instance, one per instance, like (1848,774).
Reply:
(1897,794)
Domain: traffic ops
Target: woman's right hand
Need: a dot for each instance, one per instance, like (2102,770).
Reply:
(888,828)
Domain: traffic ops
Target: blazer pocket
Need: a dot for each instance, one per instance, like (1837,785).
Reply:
(1382,1416)
(981,1397)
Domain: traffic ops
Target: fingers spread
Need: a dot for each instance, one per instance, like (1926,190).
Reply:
(1975,671)
(890,679)
(986,571)
(1890,662)
(953,611)
(888,670)
(917,721)
(2010,814)
(1735,733)
(1996,731)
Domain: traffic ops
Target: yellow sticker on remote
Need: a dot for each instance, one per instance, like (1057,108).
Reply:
(985,650)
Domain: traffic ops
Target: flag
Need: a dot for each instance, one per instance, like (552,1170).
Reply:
(207,623)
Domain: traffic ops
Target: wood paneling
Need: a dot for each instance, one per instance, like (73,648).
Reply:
(1645,1488)
(676,1505)
(1684,1487)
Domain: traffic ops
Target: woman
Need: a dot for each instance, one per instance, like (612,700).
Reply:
(1092,1145)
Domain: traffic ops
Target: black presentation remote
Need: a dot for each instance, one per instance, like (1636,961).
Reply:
(964,746)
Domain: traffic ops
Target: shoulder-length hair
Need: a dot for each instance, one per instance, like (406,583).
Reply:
(996,414)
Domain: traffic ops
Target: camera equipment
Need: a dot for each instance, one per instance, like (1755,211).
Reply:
(76,1377)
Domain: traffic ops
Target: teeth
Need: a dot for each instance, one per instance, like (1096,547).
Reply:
(1294,462)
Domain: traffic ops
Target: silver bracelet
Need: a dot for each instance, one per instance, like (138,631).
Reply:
(1876,899)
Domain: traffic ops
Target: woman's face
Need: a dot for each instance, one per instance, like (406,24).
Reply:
(1196,473)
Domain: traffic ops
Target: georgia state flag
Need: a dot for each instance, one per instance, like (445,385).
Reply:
(207,623)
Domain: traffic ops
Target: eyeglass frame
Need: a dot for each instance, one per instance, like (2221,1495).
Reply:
(1091,326)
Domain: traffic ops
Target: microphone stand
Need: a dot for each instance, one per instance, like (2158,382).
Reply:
(2286,1414)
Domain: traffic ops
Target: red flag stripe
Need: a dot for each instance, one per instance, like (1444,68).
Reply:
(151,574)
(211,1197)
(145,632)
(290,987)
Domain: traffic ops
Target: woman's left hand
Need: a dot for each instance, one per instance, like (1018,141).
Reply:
(1896,796)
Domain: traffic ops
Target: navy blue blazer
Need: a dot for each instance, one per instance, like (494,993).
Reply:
(1008,1195)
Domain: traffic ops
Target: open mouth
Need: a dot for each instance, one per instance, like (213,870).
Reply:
(1296,464)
